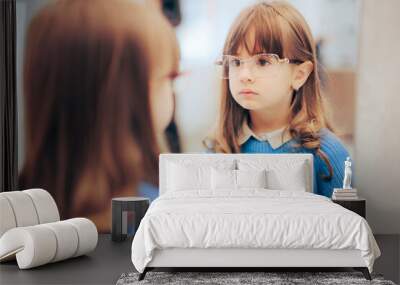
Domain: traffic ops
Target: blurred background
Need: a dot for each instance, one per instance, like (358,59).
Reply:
(358,45)
(201,28)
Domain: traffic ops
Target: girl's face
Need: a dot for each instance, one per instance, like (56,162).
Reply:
(268,90)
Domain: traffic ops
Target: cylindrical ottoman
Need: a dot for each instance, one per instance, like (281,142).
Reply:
(127,212)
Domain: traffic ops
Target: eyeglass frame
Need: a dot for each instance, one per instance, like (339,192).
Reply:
(279,60)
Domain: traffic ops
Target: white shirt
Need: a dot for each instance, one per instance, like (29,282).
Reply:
(275,138)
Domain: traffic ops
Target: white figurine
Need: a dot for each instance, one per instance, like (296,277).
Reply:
(347,174)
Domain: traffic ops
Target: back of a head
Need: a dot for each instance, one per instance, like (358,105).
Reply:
(87,108)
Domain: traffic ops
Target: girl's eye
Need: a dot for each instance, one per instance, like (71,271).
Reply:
(263,61)
(234,62)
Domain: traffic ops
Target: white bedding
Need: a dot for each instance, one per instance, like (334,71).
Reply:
(250,218)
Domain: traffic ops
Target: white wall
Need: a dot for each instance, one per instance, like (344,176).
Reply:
(377,132)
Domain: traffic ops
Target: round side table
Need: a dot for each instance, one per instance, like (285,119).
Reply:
(127,212)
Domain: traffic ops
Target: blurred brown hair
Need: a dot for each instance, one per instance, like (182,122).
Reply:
(89,131)
(278,28)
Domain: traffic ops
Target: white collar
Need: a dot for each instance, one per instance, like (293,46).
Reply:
(275,138)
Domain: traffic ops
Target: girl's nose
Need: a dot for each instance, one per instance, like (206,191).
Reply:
(245,74)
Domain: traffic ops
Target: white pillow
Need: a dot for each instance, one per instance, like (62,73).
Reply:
(293,179)
(236,179)
(223,179)
(251,178)
(282,174)
(189,174)
(182,177)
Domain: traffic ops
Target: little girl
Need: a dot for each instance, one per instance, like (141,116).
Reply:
(271,99)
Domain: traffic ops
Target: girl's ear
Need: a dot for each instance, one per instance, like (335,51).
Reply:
(301,73)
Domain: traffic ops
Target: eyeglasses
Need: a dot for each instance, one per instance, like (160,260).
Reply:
(259,64)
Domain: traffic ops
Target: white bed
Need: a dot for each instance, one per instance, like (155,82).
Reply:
(200,220)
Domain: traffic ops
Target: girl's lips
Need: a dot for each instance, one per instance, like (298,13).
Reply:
(247,92)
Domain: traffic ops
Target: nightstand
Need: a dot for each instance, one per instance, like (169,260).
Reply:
(127,212)
(358,206)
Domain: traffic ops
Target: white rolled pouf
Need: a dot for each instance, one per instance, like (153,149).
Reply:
(40,244)
(87,234)
(67,240)
(23,208)
(45,205)
(33,246)
(7,218)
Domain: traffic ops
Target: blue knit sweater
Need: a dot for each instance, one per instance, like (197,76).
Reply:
(330,145)
(148,190)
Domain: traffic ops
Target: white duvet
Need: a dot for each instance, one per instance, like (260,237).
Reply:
(251,218)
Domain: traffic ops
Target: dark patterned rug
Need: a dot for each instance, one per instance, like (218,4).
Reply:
(229,278)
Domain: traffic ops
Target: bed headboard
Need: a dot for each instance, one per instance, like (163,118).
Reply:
(209,157)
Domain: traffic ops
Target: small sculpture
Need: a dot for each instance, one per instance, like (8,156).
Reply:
(347,174)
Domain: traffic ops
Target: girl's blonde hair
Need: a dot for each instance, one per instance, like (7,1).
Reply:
(280,29)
